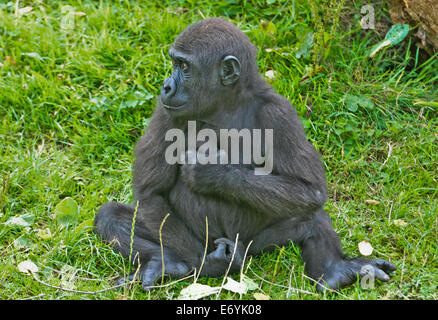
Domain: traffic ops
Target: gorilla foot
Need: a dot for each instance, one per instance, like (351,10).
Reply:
(345,272)
(154,269)
(218,261)
(224,250)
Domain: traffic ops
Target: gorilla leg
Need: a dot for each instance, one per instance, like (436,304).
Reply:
(321,251)
(325,262)
(113,223)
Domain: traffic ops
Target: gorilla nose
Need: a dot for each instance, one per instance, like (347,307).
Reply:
(168,89)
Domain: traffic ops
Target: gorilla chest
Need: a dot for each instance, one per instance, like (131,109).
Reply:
(225,218)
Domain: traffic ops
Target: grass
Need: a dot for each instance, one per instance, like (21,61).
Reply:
(74,99)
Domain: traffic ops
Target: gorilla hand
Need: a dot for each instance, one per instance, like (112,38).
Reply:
(343,273)
(203,177)
(218,261)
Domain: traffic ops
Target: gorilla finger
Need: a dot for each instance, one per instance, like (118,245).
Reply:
(322,287)
(385,265)
(381,275)
(148,282)
(372,270)
(125,280)
(224,241)
(220,251)
(181,269)
(151,273)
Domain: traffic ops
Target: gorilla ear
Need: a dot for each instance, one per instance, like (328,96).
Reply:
(229,70)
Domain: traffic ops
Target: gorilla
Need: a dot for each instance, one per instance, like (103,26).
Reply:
(189,214)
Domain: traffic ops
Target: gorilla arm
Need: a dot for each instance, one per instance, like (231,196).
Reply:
(153,177)
(297,184)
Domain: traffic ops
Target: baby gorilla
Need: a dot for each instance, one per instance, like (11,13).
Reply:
(215,85)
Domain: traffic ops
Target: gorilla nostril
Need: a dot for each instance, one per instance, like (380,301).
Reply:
(168,88)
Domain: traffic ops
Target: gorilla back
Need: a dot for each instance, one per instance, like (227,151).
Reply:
(215,84)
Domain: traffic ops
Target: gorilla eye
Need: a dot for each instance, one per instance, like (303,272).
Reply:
(184,66)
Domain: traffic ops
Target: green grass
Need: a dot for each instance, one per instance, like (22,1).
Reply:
(73,102)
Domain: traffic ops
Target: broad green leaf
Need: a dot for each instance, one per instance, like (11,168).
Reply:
(271,28)
(131,103)
(84,226)
(67,212)
(304,48)
(353,102)
(395,35)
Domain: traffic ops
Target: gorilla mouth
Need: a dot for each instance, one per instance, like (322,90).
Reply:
(178,107)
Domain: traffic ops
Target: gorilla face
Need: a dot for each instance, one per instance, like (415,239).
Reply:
(175,92)
(195,88)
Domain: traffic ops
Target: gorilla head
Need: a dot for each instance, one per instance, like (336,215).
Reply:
(207,71)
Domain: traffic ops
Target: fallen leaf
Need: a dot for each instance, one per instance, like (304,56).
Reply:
(234,286)
(68,18)
(400,223)
(44,234)
(10,60)
(67,9)
(68,274)
(271,28)
(249,283)
(27,267)
(34,55)
(22,242)
(373,202)
(24,220)
(197,291)
(365,248)
(261,296)
(268,26)
(24,10)
(84,226)
(270,74)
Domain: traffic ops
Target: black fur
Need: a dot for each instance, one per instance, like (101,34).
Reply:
(274,209)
